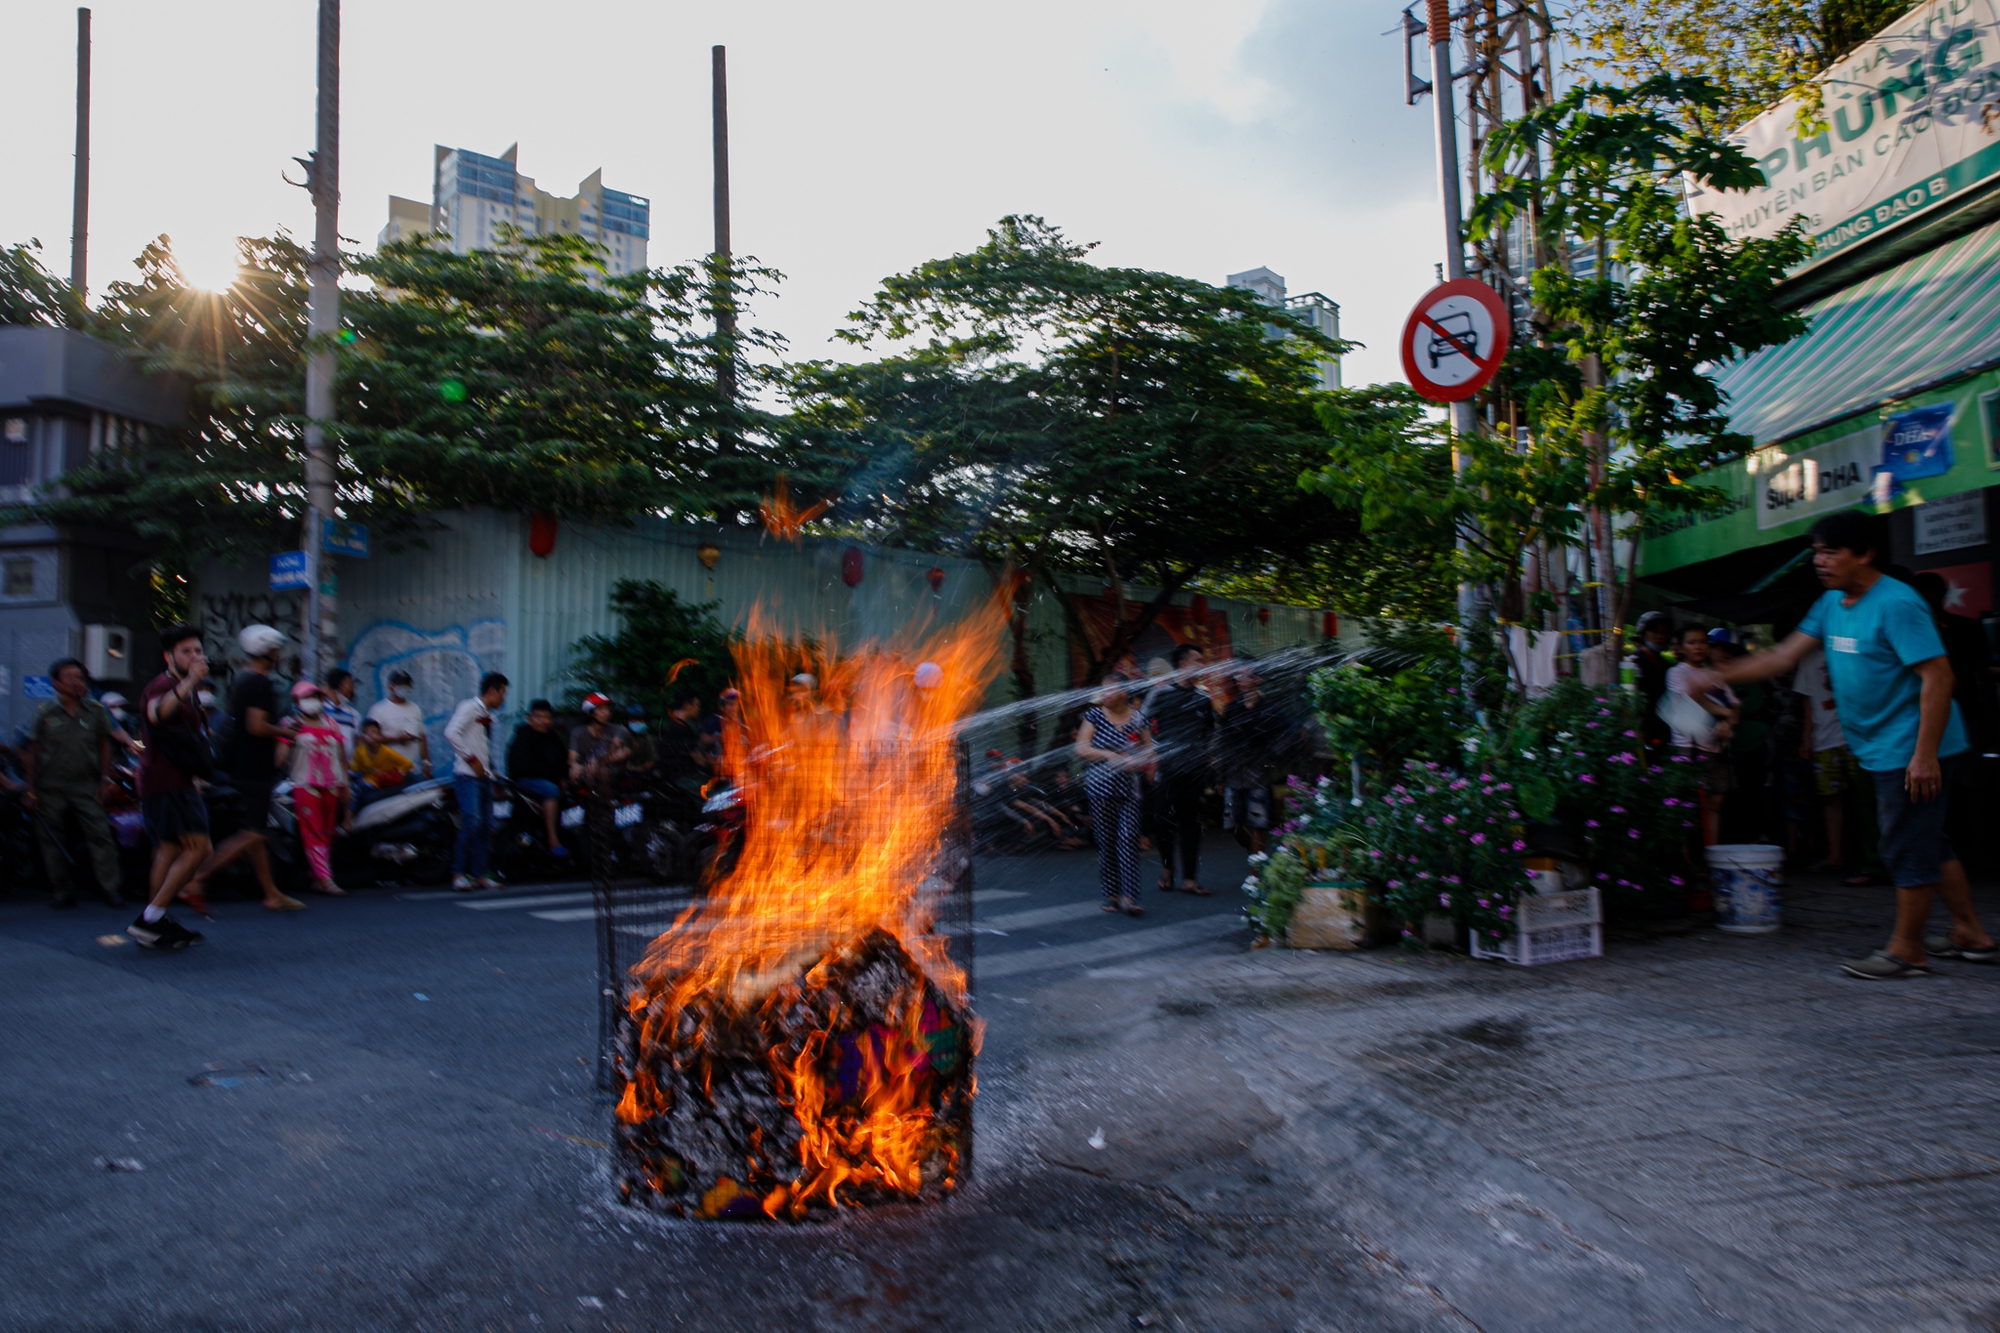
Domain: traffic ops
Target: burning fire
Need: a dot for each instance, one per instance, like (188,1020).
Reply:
(803,1037)
(781,517)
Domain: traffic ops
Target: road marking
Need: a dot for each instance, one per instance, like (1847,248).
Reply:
(996,895)
(1153,939)
(514,891)
(533,900)
(1040,916)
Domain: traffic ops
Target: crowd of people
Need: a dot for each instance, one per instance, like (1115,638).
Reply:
(201,772)
(1868,709)
(1187,743)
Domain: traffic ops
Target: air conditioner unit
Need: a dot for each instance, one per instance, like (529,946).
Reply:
(107,652)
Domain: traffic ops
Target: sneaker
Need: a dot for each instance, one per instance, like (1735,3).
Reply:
(488,882)
(462,884)
(559,852)
(166,933)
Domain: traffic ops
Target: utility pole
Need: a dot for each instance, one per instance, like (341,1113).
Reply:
(79,222)
(724,296)
(1463,423)
(322,328)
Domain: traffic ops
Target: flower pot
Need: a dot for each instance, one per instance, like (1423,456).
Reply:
(1334,914)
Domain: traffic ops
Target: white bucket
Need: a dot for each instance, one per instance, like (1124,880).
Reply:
(1745,878)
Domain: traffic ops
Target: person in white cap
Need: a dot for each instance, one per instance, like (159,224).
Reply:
(253,769)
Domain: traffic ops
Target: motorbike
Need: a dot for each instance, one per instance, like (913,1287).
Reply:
(403,838)
(651,823)
(716,841)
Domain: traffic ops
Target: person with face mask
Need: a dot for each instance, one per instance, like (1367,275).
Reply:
(253,769)
(402,723)
(121,721)
(320,791)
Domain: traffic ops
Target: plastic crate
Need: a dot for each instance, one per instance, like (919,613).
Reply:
(1549,928)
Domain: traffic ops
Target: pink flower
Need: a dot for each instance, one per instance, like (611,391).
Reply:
(1520,846)
(1590,823)
(1586,777)
(1444,900)
(1674,880)
(1478,838)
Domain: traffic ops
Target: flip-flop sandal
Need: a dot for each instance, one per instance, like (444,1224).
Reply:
(1111,907)
(1197,890)
(1941,946)
(1883,966)
(1134,910)
(1860,881)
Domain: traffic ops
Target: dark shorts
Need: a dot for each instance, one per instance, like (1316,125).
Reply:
(253,803)
(173,816)
(1913,844)
(539,788)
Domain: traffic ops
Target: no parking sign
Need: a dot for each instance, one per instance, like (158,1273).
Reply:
(1455,340)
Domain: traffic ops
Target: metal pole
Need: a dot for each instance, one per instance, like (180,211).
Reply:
(79,224)
(1462,421)
(724,297)
(322,325)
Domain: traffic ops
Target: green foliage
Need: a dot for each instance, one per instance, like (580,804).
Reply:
(30,294)
(1274,889)
(663,646)
(1384,716)
(1067,416)
(1320,839)
(525,377)
(231,481)
(1754,52)
(1577,758)
(1447,841)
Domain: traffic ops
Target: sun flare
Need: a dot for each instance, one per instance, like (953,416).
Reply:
(208,264)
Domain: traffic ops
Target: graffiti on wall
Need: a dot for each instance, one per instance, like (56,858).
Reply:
(223,615)
(444,665)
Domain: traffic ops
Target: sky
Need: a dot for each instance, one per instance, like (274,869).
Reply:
(1200,139)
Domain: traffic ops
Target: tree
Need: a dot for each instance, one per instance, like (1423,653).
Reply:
(1063,416)
(522,377)
(1754,53)
(1668,297)
(30,294)
(663,645)
(525,377)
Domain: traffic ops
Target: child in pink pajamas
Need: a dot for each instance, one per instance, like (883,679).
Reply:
(320,789)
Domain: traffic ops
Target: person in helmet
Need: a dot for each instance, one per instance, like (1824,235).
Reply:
(599,746)
(645,757)
(253,768)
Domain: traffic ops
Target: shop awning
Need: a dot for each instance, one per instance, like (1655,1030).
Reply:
(1924,321)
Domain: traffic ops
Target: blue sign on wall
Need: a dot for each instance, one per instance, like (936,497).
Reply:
(1917,443)
(38,687)
(338,538)
(288,571)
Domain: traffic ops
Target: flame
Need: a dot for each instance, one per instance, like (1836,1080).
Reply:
(784,519)
(849,791)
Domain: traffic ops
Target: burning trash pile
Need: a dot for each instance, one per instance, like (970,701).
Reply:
(803,1038)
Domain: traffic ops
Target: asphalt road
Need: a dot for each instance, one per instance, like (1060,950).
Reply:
(381,1113)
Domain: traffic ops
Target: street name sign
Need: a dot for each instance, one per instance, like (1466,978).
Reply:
(288,571)
(1455,340)
(341,538)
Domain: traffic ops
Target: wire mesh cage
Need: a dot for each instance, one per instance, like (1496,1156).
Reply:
(825,1080)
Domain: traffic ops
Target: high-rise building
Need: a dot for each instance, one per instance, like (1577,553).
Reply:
(473,196)
(1312,307)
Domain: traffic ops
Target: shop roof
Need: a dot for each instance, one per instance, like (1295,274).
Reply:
(1927,320)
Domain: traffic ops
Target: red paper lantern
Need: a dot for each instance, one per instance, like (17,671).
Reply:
(850,566)
(935,577)
(1198,609)
(1263,615)
(542,533)
(1329,625)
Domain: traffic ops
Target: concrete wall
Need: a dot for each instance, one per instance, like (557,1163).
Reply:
(471,598)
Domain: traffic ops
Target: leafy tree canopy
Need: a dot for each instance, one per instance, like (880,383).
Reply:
(523,378)
(1753,52)
(663,646)
(1063,415)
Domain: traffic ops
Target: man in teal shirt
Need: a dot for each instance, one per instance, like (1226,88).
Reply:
(1892,685)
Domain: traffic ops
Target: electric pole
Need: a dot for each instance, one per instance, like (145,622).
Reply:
(322,328)
(79,224)
(724,292)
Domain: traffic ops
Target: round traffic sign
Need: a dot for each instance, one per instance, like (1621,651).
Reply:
(1455,340)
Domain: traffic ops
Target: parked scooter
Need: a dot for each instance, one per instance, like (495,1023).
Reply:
(403,838)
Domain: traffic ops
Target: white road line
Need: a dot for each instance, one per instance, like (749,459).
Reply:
(995,895)
(1014,962)
(1040,916)
(443,895)
(531,900)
